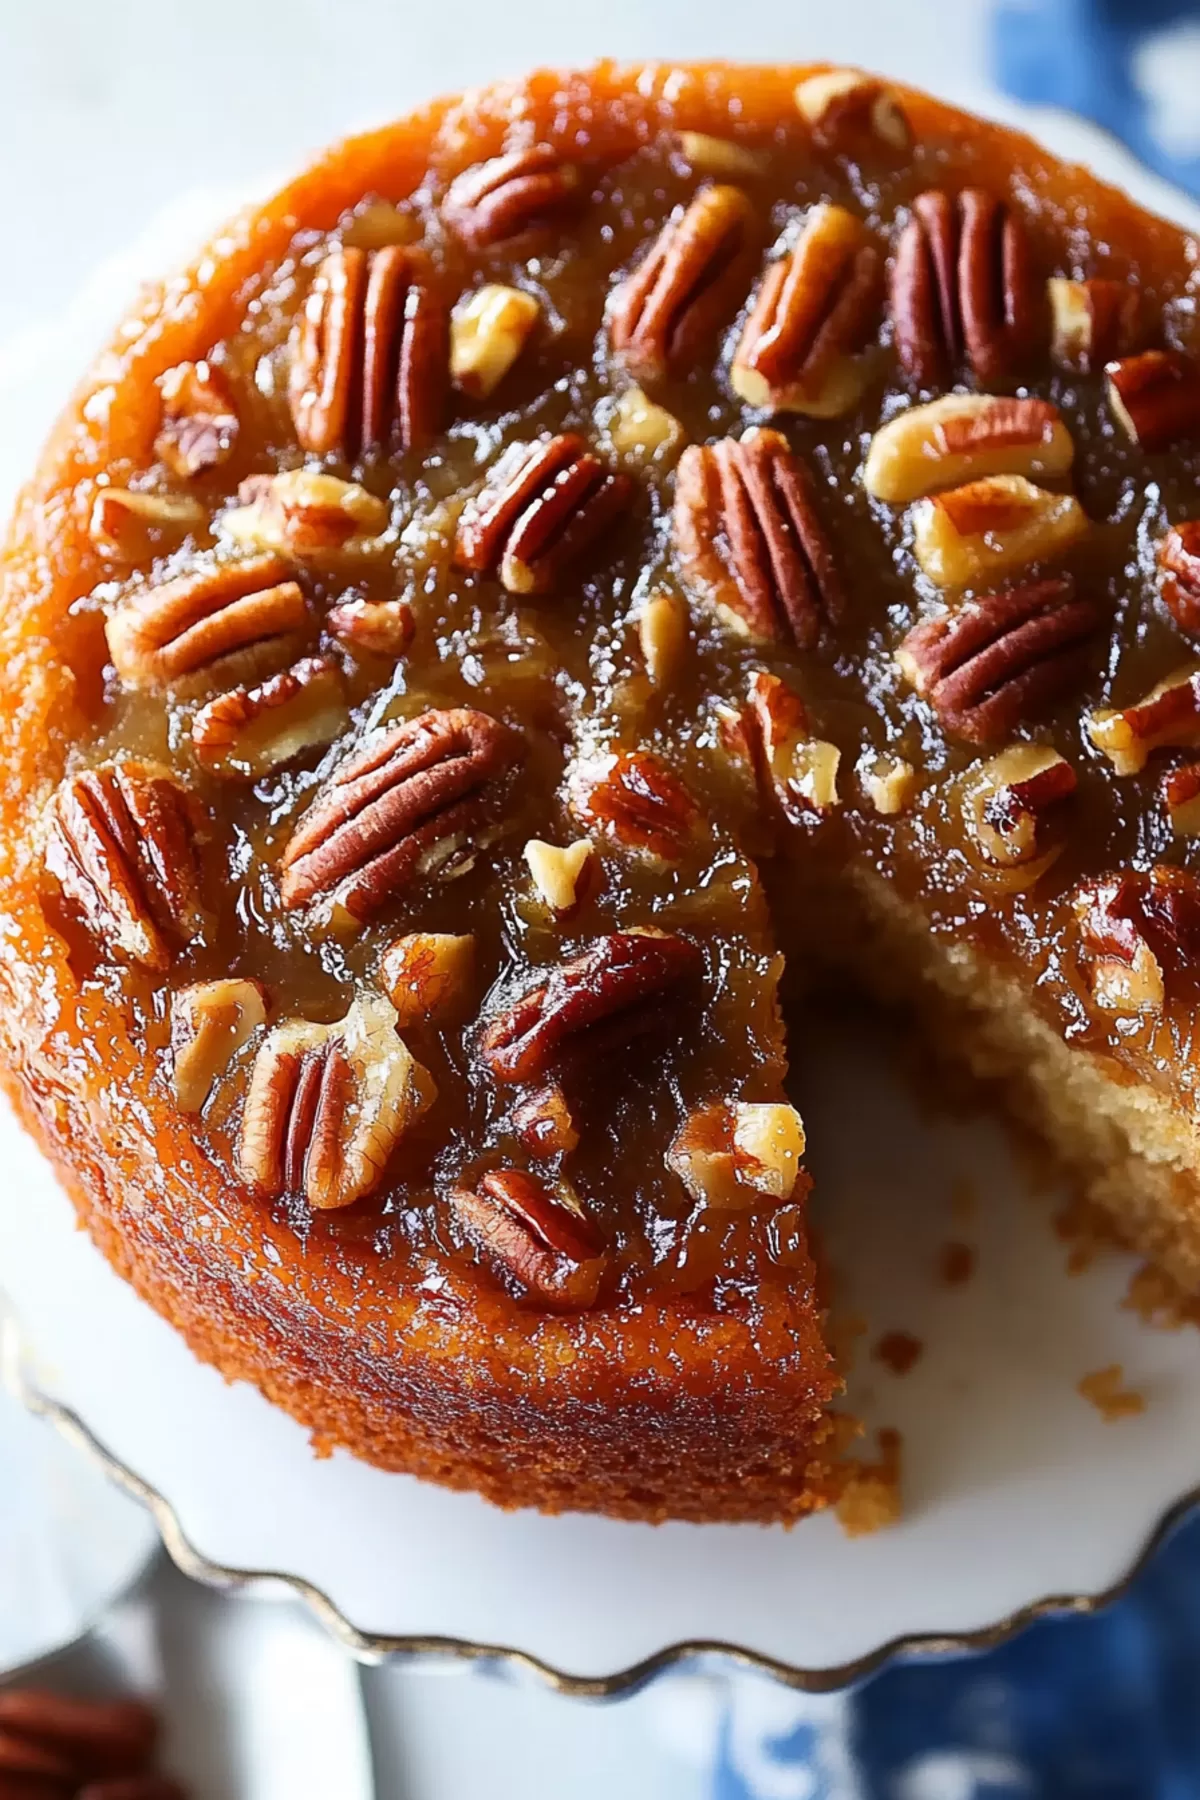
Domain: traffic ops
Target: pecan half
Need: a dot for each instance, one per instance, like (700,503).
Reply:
(1002,659)
(507,195)
(384,627)
(1167,717)
(395,808)
(750,541)
(94,1739)
(1179,564)
(303,513)
(845,108)
(1012,809)
(815,313)
(961,438)
(535,1232)
(199,420)
(979,533)
(1138,928)
(618,980)
(962,288)
(665,314)
(158,634)
(800,769)
(122,842)
(370,354)
(636,798)
(1093,321)
(210,1022)
(250,731)
(541,506)
(1156,397)
(428,975)
(327,1105)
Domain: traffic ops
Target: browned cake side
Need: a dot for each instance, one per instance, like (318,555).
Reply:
(522,580)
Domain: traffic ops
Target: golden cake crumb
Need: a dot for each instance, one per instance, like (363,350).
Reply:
(870,1498)
(1104,1389)
(898,1350)
(1159,1301)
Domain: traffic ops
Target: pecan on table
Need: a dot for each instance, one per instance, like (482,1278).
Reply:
(370,353)
(170,629)
(122,845)
(327,1105)
(962,288)
(403,806)
(750,540)
(1179,562)
(535,1232)
(616,981)
(510,194)
(664,315)
(815,312)
(542,504)
(1002,659)
(634,795)
(199,419)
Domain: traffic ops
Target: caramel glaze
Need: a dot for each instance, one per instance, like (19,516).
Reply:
(380,1325)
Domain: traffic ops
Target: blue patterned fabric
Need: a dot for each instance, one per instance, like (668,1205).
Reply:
(1098,1708)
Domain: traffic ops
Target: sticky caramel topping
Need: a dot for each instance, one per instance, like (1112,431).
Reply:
(538,633)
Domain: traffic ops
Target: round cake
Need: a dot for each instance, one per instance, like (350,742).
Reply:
(572,555)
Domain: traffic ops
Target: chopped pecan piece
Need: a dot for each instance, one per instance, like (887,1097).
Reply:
(1012,808)
(1181,796)
(888,782)
(816,310)
(963,288)
(801,769)
(384,627)
(1002,659)
(543,1122)
(395,809)
(249,731)
(1179,563)
(327,1105)
(633,795)
(304,513)
(488,331)
(989,528)
(642,434)
(722,156)
(1168,716)
(427,975)
(122,844)
(129,525)
(961,438)
(618,981)
(97,1741)
(1156,397)
(1093,321)
(519,191)
(664,315)
(750,540)
(844,108)
(1136,929)
(369,354)
(536,1233)
(558,872)
(158,634)
(199,420)
(210,1022)
(542,504)
(662,626)
(728,1155)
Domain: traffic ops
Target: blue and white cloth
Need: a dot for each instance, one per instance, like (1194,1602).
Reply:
(1105,1707)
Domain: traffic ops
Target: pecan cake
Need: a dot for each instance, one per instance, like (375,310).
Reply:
(566,554)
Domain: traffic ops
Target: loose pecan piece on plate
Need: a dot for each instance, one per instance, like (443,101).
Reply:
(122,843)
(664,315)
(543,503)
(327,1105)
(1002,659)
(618,981)
(519,191)
(750,541)
(370,354)
(407,804)
(800,350)
(536,1232)
(635,797)
(199,420)
(250,730)
(160,633)
(962,288)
